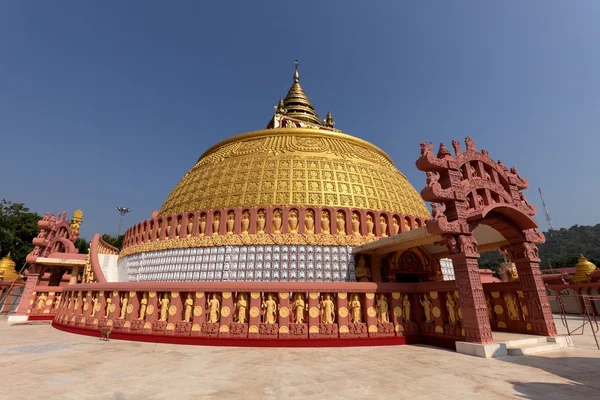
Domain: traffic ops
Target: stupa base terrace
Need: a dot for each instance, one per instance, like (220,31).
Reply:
(399,296)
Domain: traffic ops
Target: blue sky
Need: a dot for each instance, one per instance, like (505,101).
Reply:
(110,103)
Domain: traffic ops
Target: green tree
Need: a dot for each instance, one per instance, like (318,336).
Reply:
(116,242)
(82,245)
(18,227)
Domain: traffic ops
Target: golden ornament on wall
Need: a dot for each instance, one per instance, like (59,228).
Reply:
(398,311)
(436,312)
(433,295)
(172,310)
(255,295)
(529,327)
(370,295)
(149,309)
(284,329)
(314,312)
(313,329)
(196,328)
(501,324)
(152,294)
(225,311)
(372,328)
(253,329)
(224,329)
(284,295)
(343,312)
(129,308)
(226,295)
(199,295)
(371,312)
(197,311)
(254,312)
(284,312)
(342,295)
(439,329)
(313,295)
(498,309)
(495,295)
(344,329)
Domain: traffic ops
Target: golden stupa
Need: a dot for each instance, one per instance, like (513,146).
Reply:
(582,270)
(298,160)
(7,269)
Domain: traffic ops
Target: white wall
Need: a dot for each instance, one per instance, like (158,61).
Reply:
(108,264)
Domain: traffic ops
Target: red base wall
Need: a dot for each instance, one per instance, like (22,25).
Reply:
(244,342)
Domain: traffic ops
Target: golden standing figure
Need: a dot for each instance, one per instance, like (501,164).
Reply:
(451,307)
(426,303)
(355,308)
(124,302)
(242,308)
(214,308)
(108,304)
(95,305)
(298,307)
(189,304)
(406,306)
(270,309)
(143,305)
(511,306)
(382,309)
(57,301)
(164,307)
(327,309)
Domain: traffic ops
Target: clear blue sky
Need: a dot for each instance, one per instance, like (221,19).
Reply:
(110,103)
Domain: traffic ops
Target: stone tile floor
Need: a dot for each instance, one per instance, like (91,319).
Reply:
(39,362)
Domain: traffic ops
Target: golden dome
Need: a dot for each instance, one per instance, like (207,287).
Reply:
(7,265)
(582,269)
(297,161)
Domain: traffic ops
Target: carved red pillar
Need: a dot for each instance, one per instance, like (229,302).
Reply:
(33,279)
(526,257)
(472,298)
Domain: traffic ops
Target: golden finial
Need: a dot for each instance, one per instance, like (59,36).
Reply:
(7,266)
(329,122)
(296,103)
(280,107)
(296,74)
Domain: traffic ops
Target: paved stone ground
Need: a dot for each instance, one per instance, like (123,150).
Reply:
(39,362)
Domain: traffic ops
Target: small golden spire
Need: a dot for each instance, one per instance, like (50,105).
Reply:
(296,103)
(296,74)
(329,122)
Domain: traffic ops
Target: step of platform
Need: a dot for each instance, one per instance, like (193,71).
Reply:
(533,348)
(522,342)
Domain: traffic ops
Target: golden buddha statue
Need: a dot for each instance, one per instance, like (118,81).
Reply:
(406,308)
(7,269)
(382,309)
(298,308)
(214,308)
(189,304)
(426,303)
(164,307)
(355,309)
(582,270)
(41,300)
(451,308)
(363,273)
(327,309)
(143,306)
(270,306)
(242,307)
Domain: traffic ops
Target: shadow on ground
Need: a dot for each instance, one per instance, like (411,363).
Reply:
(582,372)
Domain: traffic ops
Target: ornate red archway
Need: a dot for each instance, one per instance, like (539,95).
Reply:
(470,189)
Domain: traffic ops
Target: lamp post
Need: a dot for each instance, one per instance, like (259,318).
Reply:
(122,211)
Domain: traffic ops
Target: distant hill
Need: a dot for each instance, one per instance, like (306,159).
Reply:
(562,248)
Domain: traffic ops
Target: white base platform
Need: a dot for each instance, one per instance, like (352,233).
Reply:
(15,319)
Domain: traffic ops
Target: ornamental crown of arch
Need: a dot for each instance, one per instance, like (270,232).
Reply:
(466,186)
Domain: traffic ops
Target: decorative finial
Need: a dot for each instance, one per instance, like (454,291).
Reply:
(296,74)
(443,151)
(280,108)
(329,122)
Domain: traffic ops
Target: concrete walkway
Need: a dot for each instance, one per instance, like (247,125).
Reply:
(38,362)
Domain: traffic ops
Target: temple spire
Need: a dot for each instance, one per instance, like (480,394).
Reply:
(296,103)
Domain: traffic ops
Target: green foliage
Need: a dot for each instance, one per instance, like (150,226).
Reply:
(82,245)
(18,227)
(562,248)
(116,242)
